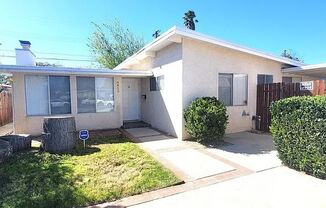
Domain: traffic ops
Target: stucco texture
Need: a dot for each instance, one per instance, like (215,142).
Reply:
(33,124)
(201,64)
(163,109)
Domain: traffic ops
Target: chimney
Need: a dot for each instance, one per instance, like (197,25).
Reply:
(24,56)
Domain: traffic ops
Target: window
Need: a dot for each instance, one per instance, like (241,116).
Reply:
(152,84)
(156,83)
(233,89)
(86,101)
(47,95)
(59,95)
(94,94)
(291,79)
(264,79)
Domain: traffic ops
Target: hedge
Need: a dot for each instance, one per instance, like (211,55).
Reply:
(206,119)
(298,128)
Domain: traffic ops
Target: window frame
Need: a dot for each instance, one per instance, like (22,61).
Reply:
(48,95)
(265,78)
(232,88)
(155,83)
(95,92)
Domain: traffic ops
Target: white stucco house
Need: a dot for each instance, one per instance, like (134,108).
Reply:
(154,85)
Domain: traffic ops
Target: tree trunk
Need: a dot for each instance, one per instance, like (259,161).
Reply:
(18,142)
(59,134)
(5,150)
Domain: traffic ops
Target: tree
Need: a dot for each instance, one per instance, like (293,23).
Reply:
(189,20)
(156,34)
(112,43)
(46,64)
(5,79)
(290,54)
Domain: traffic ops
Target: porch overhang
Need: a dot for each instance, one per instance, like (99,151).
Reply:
(316,70)
(72,71)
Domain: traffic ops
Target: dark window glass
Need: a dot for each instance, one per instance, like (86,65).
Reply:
(264,79)
(152,84)
(287,79)
(60,95)
(86,100)
(225,89)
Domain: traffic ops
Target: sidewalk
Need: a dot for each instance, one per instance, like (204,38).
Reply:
(6,129)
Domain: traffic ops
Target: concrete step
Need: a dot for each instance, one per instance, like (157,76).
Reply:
(134,124)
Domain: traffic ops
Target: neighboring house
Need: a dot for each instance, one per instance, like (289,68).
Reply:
(154,85)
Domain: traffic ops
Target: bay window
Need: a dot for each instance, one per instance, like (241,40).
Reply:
(47,95)
(94,95)
(233,89)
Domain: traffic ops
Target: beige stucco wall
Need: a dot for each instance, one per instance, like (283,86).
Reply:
(33,124)
(163,109)
(201,64)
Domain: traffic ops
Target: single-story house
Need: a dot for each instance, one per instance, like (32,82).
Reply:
(154,85)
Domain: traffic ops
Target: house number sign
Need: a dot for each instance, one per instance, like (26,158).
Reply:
(307,85)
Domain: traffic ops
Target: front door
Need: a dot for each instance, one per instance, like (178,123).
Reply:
(131,99)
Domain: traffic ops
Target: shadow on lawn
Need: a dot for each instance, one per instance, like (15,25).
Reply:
(35,179)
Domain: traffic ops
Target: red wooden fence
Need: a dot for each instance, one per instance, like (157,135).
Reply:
(5,108)
(268,93)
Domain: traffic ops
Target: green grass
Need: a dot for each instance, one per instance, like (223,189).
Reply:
(108,169)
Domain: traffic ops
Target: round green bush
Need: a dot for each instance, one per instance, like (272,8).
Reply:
(299,132)
(206,119)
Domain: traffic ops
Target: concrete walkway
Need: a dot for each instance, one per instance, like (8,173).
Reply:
(6,129)
(189,163)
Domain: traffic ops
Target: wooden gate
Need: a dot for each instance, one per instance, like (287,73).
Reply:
(268,93)
(5,108)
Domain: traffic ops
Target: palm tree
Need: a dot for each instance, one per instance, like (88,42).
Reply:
(189,20)
(156,34)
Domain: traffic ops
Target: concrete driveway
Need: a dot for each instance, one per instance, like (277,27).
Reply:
(247,174)
(253,151)
(274,188)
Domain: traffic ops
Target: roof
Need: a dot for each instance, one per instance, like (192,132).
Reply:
(172,34)
(25,42)
(71,71)
(314,70)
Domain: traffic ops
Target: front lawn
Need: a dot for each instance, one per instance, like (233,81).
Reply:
(110,168)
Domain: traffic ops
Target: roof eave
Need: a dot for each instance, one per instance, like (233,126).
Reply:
(72,71)
(202,37)
(164,37)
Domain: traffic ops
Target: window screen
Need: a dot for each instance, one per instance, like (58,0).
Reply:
(233,89)
(95,94)
(240,89)
(225,89)
(47,95)
(104,94)
(37,97)
(160,82)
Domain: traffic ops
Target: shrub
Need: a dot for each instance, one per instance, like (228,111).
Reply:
(206,119)
(299,132)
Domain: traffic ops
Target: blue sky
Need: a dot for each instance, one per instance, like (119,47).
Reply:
(63,26)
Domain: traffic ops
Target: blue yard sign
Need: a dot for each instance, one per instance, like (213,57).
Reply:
(84,135)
